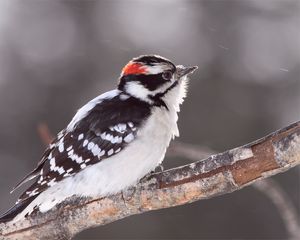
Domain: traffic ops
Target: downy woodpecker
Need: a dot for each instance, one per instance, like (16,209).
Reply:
(112,141)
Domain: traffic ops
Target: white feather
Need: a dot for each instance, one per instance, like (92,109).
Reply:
(137,90)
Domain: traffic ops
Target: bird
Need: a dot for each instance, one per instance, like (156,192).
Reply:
(113,141)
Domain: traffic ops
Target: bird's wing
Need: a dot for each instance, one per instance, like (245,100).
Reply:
(103,132)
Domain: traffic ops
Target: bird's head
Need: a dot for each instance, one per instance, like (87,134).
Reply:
(150,77)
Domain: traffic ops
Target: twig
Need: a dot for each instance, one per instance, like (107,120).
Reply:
(189,151)
(216,175)
(282,202)
(44,133)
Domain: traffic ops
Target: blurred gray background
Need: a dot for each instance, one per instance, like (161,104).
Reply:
(56,55)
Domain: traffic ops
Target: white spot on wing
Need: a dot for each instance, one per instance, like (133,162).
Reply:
(118,150)
(80,136)
(61,147)
(85,142)
(76,158)
(52,163)
(129,138)
(110,152)
(60,170)
(43,182)
(102,153)
(71,152)
(33,192)
(119,139)
(121,127)
(55,168)
(60,134)
(109,137)
(83,166)
(90,145)
(103,136)
(96,150)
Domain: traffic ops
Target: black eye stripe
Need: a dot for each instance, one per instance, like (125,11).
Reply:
(151,82)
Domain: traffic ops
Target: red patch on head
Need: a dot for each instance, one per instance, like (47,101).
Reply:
(134,68)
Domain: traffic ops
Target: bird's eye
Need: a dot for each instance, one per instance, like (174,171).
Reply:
(167,75)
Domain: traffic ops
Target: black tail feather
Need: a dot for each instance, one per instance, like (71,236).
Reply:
(16,209)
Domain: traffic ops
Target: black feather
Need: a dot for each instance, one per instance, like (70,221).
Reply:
(152,60)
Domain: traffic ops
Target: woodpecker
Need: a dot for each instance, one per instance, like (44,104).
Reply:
(112,141)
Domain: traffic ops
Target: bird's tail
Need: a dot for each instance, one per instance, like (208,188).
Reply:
(16,209)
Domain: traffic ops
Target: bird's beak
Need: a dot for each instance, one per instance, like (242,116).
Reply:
(183,71)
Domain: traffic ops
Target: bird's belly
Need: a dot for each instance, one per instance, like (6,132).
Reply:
(122,170)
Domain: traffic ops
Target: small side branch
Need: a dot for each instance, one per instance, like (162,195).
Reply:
(284,205)
(218,174)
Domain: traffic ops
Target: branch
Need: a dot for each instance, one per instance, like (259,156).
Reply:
(219,174)
(44,133)
(268,187)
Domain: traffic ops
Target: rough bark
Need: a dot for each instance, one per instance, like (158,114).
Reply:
(219,174)
(267,186)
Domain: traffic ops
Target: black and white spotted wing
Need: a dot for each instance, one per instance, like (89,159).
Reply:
(105,131)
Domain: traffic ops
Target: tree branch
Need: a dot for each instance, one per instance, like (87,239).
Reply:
(268,187)
(219,174)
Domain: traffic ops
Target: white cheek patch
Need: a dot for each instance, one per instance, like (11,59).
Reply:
(137,90)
